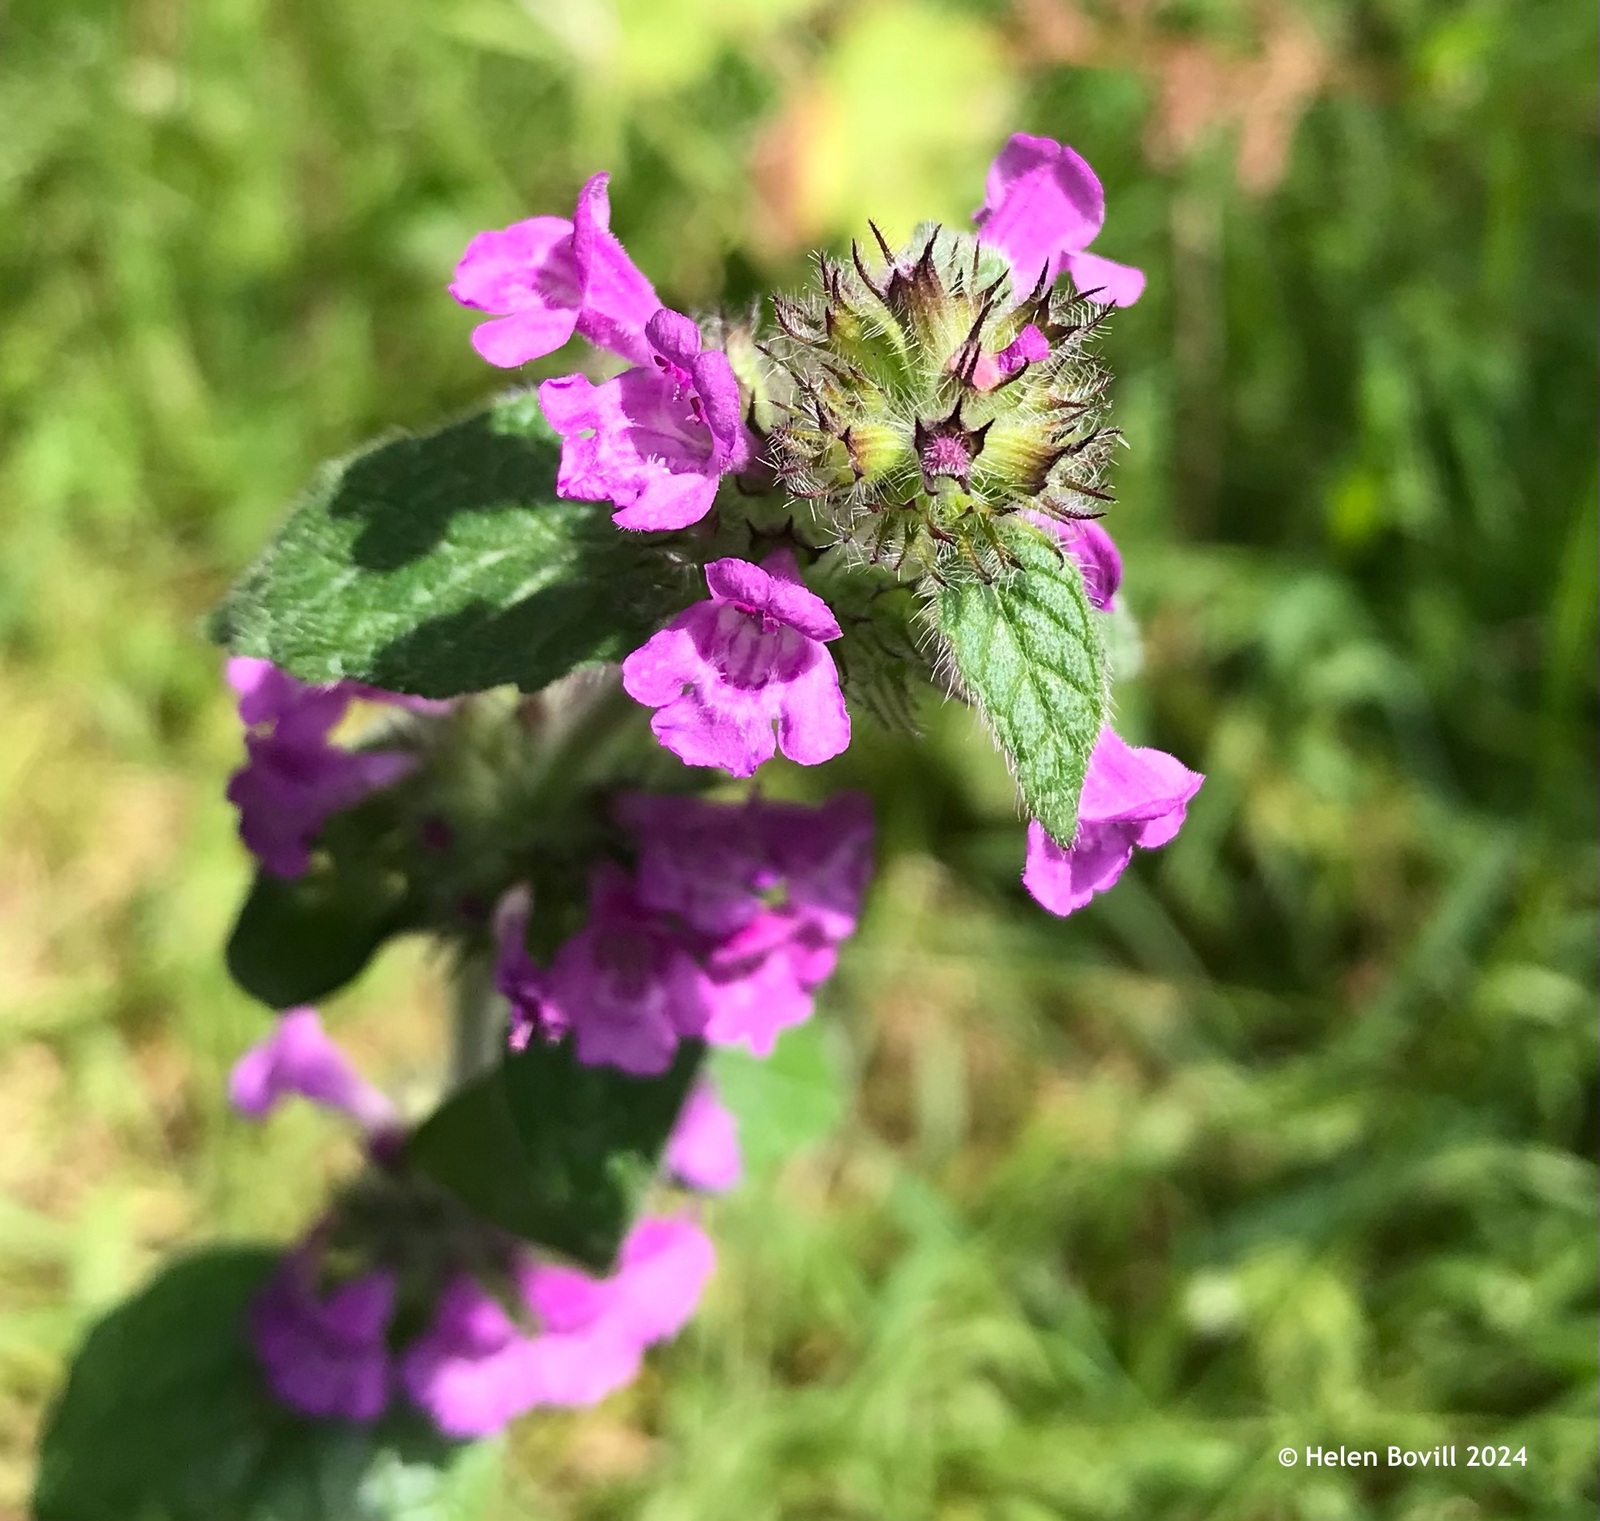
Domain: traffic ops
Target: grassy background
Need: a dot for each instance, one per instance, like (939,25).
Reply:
(1289,1140)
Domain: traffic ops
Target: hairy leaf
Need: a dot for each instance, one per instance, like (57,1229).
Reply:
(296,940)
(445,563)
(1027,650)
(165,1417)
(554,1151)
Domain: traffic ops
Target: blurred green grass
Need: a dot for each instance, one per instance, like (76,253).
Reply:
(1291,1139)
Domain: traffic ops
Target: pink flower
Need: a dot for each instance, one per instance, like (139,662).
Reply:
(295,778)
(1095,551)
(703,1149)
(724,672)
(547,276)
(767,892)
(656,439)
(1028,347)
(1042,207)
(475,1368)
(517,977)
(1131,797)
(299,1059)
(625,985)
(325,1355)
(706,863)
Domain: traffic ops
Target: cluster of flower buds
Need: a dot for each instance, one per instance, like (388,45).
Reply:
(400,1293)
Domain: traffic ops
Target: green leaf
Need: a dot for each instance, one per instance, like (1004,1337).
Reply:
(165,1418)
(297,940)
(787,1102)
(445,563)
(553,1151)
(1028,652)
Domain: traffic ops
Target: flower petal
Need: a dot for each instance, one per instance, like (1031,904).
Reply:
(1104,280)
(507,342)
(1063,879)
(658,671)
(728,730)
(703,1149)
(1125,782)
(510,269)
(813,722)
(1042,201)
(617,299)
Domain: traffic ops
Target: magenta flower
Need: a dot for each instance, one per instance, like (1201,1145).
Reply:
(625,984)
(1028,347)
(656,439)
(766,892)
(708,864)
(703,1149)
(295,778)
(1042,207)
(546,277)
(517,977)
(299,1059)
(1131,797)
(475,1368)
(325,1355)
(724,672)
(1095,551)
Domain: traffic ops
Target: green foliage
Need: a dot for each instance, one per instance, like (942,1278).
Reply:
(446,564)
(787,1103)
(553,1151)
(165,1418)
(1027,649)
(298,940)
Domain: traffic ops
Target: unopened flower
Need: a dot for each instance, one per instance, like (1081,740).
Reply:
(656,439)
(1131,797)
(1042,207)
(546,277)
(295,778)
(325,1353)
(703,1149)
(625,985)
(725,672)
(933,397)
(299,1059)
(579,1337)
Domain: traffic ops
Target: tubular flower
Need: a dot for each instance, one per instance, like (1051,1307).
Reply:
(325,1354)
(546,277)
(656,439)
(574,1338)
(625,985)
(295,778)
(1131,797)
(1042,207)
(723,673)
(765,892)
(703,1149)
(299,1059)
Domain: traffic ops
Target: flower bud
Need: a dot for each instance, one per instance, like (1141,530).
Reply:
(928,398)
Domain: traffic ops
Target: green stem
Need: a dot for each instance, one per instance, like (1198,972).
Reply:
(477,1019)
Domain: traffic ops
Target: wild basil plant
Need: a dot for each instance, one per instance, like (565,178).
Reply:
(505,685)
